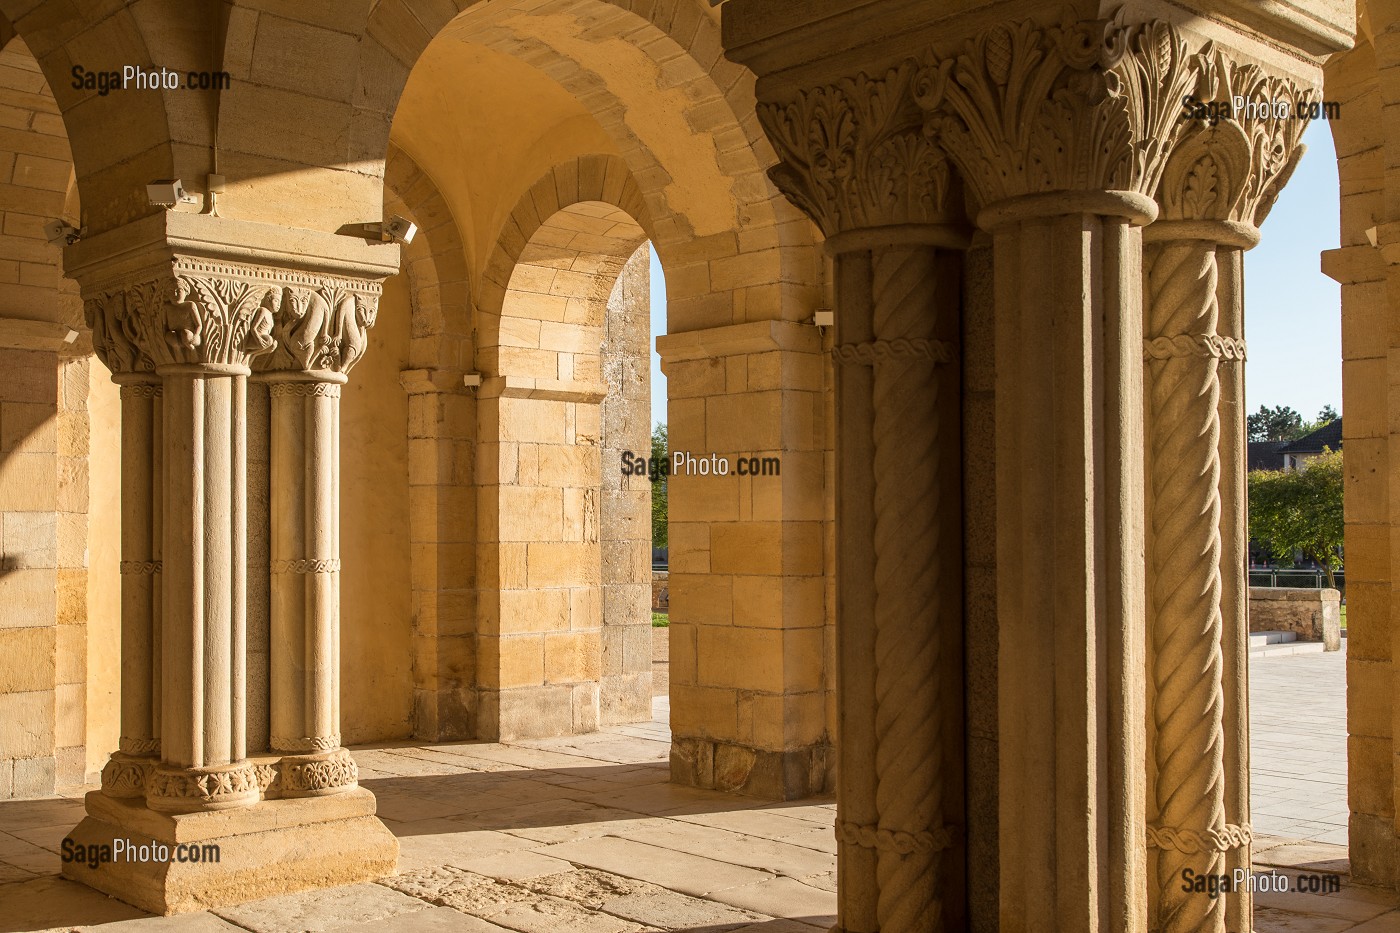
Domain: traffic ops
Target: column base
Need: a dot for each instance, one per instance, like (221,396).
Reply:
(790,774)
(273,847)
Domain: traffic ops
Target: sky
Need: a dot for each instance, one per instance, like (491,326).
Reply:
(1293,319)
(1292,312)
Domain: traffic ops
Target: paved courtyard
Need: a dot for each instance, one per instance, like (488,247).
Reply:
(579,834)
(1298,745)
(585,835)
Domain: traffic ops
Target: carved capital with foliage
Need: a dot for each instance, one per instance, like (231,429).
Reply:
(1085,106)
(854,154)
(205,312)
(1234,159)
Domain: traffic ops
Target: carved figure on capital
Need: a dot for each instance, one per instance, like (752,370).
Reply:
(319,328)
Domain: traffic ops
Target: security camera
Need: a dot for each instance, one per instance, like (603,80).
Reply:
(62,232)
(168,193)
(395,230)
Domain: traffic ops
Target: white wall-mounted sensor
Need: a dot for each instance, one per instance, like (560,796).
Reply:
(168,193)
(824,318)
(471,380)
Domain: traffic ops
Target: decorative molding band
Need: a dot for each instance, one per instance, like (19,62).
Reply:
(900,350)
(331,565)
(132,746)
(142,390)
(304,389)
(873,837)
(189,789)
(315,776)
(1192,841)
(140,567)
(314,743)
(124,775)
(1202,345)
(269,778)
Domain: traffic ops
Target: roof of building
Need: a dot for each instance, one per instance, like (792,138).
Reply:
(1265,455)
(1327,437)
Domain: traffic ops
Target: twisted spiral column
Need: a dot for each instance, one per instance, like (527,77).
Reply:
(1183,353)
(305,583)
(908,446)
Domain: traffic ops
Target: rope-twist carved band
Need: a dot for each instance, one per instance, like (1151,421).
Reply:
(1202,345)
(142,390)
(901,349)
(306,566)
(1184,588)
(138,746)
(312,743)
(304,389)
(1192,841)
(138,567)
(891,840)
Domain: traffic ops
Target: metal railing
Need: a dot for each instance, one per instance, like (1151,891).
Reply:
(1287,576)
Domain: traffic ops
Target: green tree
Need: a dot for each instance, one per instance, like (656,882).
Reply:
(660,451)
(1293,511)
(1326,416)
(1275,424)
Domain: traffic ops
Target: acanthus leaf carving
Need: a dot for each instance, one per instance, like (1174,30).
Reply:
(1086,105)
(1233,168)
(854,155)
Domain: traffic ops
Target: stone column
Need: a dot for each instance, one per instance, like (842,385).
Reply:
(203,755)
(1013,108)
(305,585)
(194,301)
(142,499)
(899,509)
(321,329)
(1218,184)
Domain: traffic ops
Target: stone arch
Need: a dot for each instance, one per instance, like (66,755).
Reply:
(564,244)
(554,299)
(119,142)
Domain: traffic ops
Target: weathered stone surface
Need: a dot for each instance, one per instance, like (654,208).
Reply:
(1313,615)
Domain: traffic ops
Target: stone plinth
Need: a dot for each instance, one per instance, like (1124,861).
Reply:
(273,847)
(1315,615)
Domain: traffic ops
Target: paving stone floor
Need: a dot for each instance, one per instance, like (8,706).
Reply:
(584,835)
(575,835)
(1298,746)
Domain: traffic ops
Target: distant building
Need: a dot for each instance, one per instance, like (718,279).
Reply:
(1296,454)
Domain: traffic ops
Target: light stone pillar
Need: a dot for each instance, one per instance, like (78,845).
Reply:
(305,584)
(194,301)
(1218,185)
(899,511)
(1012,108)
(139,748)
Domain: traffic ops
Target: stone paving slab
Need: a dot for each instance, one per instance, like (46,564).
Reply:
(577,835)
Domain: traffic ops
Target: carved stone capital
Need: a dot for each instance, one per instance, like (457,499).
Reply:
(1231,166)
(195,290)
(1026,109)
(855,155)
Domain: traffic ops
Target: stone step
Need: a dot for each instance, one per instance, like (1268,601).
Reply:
(1260,639)
(1284,649)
